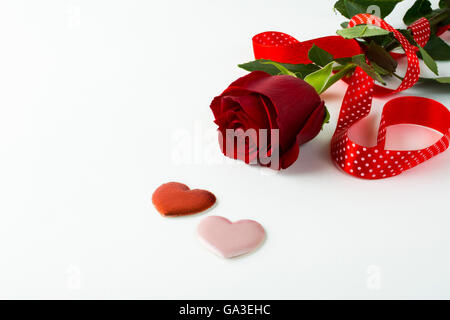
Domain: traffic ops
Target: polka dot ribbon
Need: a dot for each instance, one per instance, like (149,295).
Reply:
(369,162)
(421,31)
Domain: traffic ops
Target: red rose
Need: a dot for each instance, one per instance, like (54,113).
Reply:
(288,108)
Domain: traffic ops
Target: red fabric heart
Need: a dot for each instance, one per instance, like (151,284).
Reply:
(176,199)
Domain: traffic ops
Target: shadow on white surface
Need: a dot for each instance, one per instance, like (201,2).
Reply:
(313,157)
(410,137)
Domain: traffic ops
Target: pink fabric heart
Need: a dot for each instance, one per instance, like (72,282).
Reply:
(229,239)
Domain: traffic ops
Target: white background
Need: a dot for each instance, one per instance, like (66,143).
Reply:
(102,101)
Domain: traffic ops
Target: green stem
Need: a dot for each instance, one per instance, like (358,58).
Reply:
(439,17)
(338,68)
(397,76)
(395,43)
(347,69)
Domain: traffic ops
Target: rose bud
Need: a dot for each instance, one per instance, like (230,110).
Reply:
(264,119)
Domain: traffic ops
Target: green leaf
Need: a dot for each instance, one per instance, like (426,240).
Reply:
(327,117)
(281,68)
(431,64)
(349,8)
(343,60)
(319,56)
(443,80)
(380,70)
(353,7)
(301,70)
(362,31)
(320,78)
(408,35)
(444,4)
(440,80)
(340,7)
(381,57)
(420,9)
(438,48)
(445,21)
(384,40)
(330,78)
(360,61)
(344,71)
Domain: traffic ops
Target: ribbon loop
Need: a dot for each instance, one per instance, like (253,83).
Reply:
(421,31)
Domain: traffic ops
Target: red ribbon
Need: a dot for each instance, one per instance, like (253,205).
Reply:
(360,161)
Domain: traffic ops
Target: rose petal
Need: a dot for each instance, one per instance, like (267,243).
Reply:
(261,101)
(312,126)
(289,157)
(293,99)
(244,146)
(254,109)
(245,81)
